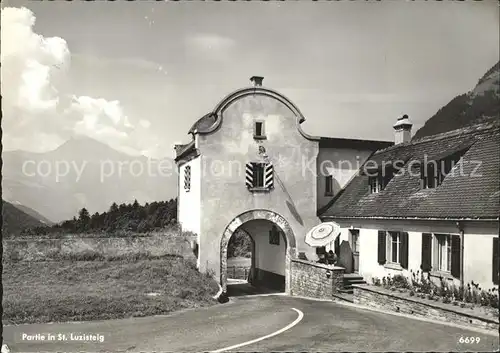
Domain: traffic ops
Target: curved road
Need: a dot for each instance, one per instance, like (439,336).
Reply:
(325,326)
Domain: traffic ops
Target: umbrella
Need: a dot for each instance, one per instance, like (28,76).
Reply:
(323,234)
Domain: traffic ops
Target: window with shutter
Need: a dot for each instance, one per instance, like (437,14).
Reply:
(187,178)
(382,247)
(259,175)
(426,252)
(496,261)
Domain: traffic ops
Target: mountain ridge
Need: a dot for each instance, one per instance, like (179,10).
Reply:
(481,104)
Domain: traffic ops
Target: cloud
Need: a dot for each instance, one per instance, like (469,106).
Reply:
(35,105)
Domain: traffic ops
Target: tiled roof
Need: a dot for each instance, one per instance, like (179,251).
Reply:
(181,150)
(471,194)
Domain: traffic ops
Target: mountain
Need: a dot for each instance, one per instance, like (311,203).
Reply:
(83,172)
(31,212)
(479,105)
(15,220)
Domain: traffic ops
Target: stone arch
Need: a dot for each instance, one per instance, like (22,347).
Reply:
(261,214)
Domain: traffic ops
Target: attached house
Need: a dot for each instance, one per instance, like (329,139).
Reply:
(428,205)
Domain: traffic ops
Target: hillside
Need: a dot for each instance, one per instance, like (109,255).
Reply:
(479,105)
(15,220)
(83,172)
(131,217)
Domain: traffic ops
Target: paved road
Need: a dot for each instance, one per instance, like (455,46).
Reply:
(325,326)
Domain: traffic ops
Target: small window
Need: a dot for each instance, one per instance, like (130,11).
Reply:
(187,178)
(274,236)
(434,173)
(373,181)
(259,132)
(430,175)
(328,185)
(378,182)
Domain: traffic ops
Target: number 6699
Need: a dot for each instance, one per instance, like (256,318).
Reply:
(469,339)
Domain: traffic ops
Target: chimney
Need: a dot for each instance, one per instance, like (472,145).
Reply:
(256,80)
(402,130)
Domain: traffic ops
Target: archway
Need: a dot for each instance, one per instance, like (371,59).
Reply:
(260,214)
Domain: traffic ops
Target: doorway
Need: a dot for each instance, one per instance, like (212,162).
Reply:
(354,243)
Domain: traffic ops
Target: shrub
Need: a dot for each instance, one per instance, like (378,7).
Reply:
(446,300)
(376,281)
(400,281)
(412,293)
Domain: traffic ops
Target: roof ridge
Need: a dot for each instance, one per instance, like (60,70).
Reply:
(467,130)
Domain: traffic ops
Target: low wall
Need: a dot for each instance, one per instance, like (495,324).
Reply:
(238,272)
(383,299)
(310,279)
(32,249)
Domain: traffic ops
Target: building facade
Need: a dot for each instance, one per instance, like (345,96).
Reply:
(250,166)
(436,212)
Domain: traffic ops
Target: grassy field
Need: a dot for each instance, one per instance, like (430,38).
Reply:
(69,290)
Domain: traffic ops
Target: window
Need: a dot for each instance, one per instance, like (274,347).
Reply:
(434,172)
(258,131)
(443,252)
(393,249)
(259,175)
(187,178)
(354,240)
(328,185)
(395,245)
(378,182)
(274,236)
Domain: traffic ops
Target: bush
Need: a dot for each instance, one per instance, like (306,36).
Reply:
(376,281)
(400,281)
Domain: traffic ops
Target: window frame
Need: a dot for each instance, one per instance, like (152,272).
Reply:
(391,243)
(259,170)
(443,252)
(259,175)
(187,178)
(436,270)
(329,185)
(262,135)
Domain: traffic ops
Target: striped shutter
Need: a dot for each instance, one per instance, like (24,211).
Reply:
(187,178)
(249,175)
(268,176)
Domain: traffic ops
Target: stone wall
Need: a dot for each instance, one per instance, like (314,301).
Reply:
(310,279)
(383,299)
(238,272)
(32,249)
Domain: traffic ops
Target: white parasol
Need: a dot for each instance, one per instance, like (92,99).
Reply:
(322,234)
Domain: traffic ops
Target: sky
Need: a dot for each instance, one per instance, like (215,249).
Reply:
(137,75)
